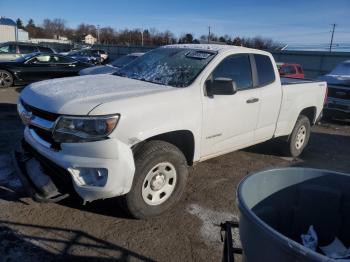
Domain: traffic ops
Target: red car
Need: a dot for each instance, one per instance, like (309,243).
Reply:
(290,70)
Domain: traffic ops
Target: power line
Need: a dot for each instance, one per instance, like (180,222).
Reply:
(330,46)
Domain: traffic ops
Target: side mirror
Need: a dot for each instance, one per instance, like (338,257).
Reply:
(220,86)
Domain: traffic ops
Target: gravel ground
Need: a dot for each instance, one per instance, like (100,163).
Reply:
(31,231)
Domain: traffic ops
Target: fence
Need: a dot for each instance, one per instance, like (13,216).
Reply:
(314,62)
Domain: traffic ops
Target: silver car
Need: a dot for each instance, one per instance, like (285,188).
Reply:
(11,50)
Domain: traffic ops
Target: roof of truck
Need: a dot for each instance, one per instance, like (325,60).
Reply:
(211,47)
(214,47)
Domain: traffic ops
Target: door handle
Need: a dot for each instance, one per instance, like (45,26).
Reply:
(252,100)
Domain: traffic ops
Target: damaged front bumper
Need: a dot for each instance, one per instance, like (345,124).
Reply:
(58,172)
(37,184)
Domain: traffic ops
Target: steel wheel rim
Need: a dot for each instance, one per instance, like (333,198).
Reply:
(5,79)
(159,183)
(301,136)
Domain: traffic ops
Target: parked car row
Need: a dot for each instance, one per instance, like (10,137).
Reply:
(38,66)
(41,66)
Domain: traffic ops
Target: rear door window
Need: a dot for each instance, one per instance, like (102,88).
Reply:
(8,49)
(265,71)
(27,49)
(237,68)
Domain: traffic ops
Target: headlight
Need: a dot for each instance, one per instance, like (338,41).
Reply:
(71,129)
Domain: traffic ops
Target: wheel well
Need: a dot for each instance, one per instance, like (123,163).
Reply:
(310,113)
(182,139)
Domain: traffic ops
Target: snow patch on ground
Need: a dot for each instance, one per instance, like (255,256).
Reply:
(211,220)
(8,177)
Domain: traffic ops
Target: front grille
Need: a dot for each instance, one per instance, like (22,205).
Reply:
(39,112)
(341,93)
(43,134)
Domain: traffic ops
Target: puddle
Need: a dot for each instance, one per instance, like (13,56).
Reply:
(210,229)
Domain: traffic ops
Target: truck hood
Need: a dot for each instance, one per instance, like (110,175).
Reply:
(79,95)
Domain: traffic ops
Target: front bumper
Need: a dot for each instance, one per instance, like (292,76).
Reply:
(110,154)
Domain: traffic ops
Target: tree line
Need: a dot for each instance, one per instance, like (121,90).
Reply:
(53,28)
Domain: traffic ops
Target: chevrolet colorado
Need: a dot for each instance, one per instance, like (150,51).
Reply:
(134,133)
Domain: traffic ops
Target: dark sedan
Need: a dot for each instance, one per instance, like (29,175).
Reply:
(91,56)
(38,66)
(112,67)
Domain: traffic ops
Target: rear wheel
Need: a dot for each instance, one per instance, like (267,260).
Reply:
(6,79)
(299,137)
(159,181)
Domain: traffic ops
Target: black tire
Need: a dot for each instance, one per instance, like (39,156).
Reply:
(6,79)
(296,146)
(147,157)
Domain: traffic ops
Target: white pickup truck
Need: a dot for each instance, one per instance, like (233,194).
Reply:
(134,134)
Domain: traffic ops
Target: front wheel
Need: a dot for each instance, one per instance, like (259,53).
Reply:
(159,181)
(299,137)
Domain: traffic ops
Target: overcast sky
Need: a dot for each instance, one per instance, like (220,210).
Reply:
(297,21)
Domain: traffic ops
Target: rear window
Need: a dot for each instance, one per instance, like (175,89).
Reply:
(27,49)
(266,74)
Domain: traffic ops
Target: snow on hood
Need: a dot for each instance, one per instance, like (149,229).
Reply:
(96,70)
(79,95)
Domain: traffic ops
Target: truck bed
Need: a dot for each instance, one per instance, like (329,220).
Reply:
(293,81)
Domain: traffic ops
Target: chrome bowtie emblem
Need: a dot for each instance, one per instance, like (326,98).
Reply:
(27,117)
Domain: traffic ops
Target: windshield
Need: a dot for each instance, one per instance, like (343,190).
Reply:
(342,69)
(176,67)
(122,61)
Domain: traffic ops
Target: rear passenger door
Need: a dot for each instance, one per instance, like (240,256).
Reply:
(270,94)
(229,121)
(64,66)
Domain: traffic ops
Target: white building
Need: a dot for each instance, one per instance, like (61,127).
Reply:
(10,32)
(22,35)
(89,39)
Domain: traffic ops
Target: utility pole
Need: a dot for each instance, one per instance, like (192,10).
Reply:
(331,44)
(142,36)
(98,34)
(209,34)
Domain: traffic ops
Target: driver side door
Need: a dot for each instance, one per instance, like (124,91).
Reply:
(37,68)
(229,121)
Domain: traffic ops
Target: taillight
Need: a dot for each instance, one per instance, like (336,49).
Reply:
(326,96)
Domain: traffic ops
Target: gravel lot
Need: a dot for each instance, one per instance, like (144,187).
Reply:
(31,231)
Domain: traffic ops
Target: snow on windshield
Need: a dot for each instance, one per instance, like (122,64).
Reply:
(168,66)
(342,69)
